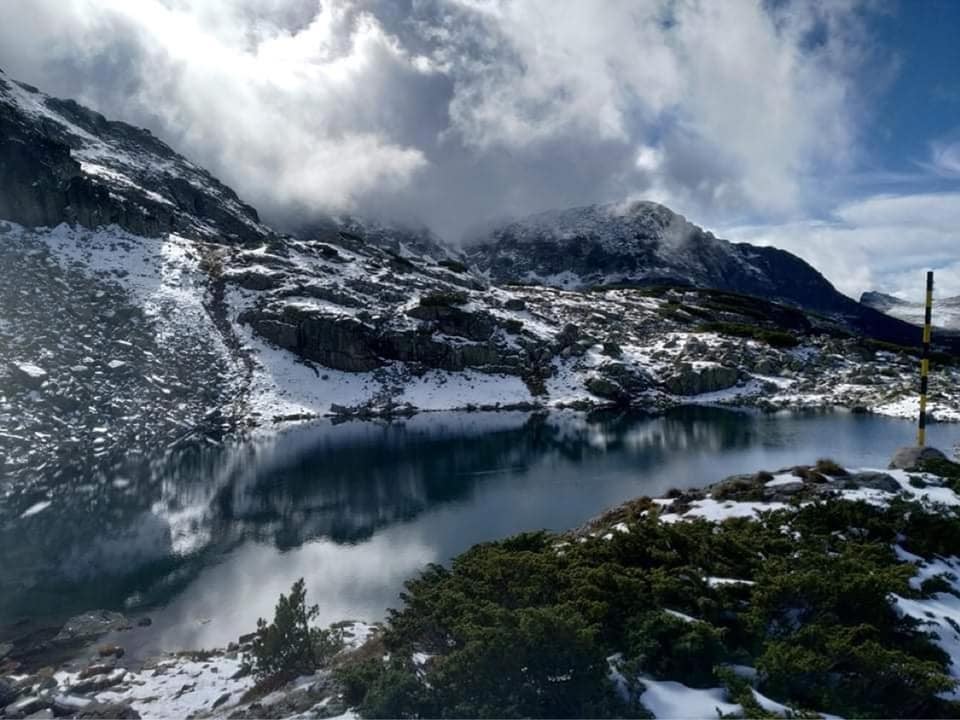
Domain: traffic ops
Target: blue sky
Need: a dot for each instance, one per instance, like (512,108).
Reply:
(830,128)
(921,38)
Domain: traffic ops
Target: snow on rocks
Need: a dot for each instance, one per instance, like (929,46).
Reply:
(176,686)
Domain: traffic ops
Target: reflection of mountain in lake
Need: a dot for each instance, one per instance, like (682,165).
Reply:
(99,544)
(346,490)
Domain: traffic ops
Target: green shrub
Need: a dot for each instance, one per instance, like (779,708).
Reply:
(395,692)
(356,678)
(520,628)
(740,691)
(664,645)
(288,646)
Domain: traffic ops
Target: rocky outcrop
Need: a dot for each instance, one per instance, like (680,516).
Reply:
(913,458)
(61,162)
(689,379)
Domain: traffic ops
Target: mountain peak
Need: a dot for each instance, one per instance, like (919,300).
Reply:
(63,162)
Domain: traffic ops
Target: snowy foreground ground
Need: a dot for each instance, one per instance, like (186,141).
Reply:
(211,683)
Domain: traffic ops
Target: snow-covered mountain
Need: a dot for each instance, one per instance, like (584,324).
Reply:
(643,243)
(145,307)
(946,311)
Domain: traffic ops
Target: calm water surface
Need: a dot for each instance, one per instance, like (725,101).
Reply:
(206,546)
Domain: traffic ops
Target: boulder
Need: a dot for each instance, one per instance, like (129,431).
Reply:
(257,278)
(105,711)
(872,481)
(689,380)
(90,625)
(25,706)
(8,692)
(28,374)
(69,704)
(912,458)
(606,389)
(456,321)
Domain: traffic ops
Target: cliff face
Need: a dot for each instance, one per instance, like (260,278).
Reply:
(60,162)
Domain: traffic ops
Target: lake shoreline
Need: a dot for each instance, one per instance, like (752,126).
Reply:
(99,672)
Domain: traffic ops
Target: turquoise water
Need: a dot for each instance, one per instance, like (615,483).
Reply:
(206,543)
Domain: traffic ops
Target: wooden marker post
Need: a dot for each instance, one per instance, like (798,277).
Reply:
(925,363)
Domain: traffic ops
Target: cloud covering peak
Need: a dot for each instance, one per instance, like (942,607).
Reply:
(455,111)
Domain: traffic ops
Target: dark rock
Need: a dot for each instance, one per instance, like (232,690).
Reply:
(607,389)
(90,625)
(612,349)
(455,321)
(107,711)
(44,185)
(69,704)
(100,668)
(96,683)
(252,279)
(688,380)
(515,304)
(871,480)
(569,335)
(25,706)
(110,651)
(912,457)
(28,374)
(8,692)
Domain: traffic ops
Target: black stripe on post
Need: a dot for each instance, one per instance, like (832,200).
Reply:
(925,360)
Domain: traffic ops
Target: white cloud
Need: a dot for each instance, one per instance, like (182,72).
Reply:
(743,109)
(945,157)
(458,110)
(884,243)
(283,115)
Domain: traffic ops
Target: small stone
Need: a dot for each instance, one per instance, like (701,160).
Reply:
(28,374)
(95,669)
(110,651)
(25,706)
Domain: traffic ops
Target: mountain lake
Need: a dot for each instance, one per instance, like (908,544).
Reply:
(207,541)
